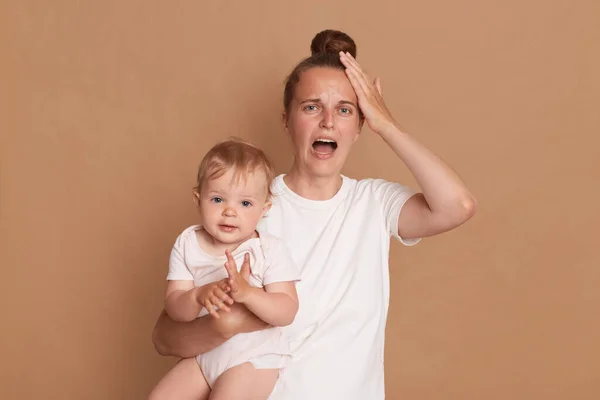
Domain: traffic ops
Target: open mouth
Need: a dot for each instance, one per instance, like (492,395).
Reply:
(324,146)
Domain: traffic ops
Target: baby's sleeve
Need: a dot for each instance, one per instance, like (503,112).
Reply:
(392,197)
(279,265)
(178,270)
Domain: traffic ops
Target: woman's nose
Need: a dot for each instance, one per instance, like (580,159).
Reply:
(327,121)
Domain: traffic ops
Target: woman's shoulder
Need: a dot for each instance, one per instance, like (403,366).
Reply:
(277,185)
(378,188)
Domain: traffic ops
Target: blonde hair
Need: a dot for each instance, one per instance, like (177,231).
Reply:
(243,157)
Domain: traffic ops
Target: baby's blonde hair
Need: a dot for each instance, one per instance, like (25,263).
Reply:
(243,157)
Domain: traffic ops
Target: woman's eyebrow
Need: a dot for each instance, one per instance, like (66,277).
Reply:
(318,100)
(315,100)
(347,102)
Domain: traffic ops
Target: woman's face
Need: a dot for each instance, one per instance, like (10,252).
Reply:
(323,121)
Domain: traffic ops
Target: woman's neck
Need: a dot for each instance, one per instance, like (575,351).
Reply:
(313,187)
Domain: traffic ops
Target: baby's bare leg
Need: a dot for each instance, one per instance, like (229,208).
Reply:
(244,382)
(184,381)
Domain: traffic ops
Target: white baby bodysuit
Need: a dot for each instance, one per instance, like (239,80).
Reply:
(270,262)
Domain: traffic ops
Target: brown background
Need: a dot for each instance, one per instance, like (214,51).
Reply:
(111,105)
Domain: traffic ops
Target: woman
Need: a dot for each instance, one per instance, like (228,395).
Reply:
(338,230)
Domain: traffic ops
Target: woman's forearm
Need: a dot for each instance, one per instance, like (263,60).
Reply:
(443,189)
(188,339)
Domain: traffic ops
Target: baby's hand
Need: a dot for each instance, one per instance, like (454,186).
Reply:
(238,281)
(213,298)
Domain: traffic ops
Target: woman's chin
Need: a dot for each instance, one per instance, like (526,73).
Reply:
(319,165)
(324,168)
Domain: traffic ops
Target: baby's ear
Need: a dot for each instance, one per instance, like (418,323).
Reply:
(266,207)
(196,198)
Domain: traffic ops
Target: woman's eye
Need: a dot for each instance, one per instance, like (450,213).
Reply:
(216,200)
(246,203)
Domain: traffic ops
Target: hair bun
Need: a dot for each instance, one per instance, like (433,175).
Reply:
(330,41)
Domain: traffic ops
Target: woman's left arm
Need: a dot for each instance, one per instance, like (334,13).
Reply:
(445,202)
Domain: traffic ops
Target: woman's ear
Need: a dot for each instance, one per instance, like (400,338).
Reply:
(360,125)
(284,120)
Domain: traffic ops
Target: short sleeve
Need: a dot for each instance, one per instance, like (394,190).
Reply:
(178,270)
(392,197)
(279,265)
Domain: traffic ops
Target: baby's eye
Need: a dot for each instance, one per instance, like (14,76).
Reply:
(216,200)
(246,203)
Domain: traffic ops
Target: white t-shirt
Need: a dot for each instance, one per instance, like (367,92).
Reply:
(341,247)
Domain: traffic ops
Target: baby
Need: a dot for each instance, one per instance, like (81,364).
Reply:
(232,195)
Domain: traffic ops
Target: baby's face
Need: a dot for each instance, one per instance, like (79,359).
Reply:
(231,210)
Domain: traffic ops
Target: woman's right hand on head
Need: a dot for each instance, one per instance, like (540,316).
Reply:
(214,295)
(370,99)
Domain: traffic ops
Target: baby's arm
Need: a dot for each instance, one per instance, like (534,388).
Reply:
(184,301)
(181,304)
(276,304)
